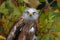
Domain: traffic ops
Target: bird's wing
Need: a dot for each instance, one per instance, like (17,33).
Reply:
(11,35)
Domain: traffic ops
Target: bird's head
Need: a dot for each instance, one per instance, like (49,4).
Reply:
(30,14)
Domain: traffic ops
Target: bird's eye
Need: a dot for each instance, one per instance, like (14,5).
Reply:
(34,13)
(26,12)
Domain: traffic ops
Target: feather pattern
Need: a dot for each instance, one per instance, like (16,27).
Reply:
(14,28)
(25,27)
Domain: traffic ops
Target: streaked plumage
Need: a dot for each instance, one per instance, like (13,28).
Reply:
(26,26)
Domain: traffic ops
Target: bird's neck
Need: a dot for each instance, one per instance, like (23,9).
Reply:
(29,21)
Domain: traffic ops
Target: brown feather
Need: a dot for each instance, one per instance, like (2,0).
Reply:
(25,31)
(14,27)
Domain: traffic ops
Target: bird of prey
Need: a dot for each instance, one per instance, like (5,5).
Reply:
(25,28)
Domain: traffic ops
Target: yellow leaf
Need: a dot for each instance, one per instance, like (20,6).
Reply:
(58,3)
(2,38)
(32,3)
(55,34)
(56,10)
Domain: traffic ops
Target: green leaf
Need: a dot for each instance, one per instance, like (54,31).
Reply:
(21,1)
(47,37)
(1,29)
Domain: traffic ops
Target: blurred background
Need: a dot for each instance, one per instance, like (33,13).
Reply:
(48,22)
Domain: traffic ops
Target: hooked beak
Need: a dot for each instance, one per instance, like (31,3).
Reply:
(30,14)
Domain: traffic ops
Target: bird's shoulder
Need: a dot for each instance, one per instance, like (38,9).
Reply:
(18,22)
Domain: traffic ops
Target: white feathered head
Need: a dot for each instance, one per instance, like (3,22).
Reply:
(30,14)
